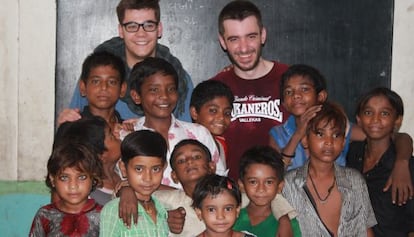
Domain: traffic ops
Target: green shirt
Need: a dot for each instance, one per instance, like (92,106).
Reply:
(111,225)
(268,227)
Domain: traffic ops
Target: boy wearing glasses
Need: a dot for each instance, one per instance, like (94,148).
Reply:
(139,29)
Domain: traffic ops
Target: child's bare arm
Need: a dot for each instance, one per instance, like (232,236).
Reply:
(285,229)
(400,179)
(176,219)
(288,152)
(370,232)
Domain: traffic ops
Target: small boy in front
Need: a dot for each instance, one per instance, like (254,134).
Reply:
(211,105)
(380,113)
(261,178)
(331,200)
(102,83)
(143,163)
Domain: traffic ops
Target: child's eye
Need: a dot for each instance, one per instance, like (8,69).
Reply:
(63,178)
(197,157)
(227,113)
(212,110)
(156,169)
(305,89)
(180,161)
(113,82)
(270,182)
(138,169)
(252,182)
(367,112)
(153,89)
(385,113)
(288,92)
(94,81)
(83,177)
(229,208)
(319,134)
(210,209)
(172,89)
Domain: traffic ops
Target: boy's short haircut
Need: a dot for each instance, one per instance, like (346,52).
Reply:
(73,154)
(87,130)
(306,71)
(264,155)
(209,90)
(124,5)
(239,10)
(189,142)
(330,114)
(102,58)
(213,185)
(393,98)
(143,143)
(148,67)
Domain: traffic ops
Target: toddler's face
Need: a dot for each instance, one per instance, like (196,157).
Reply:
(215,115)
(191,164)
(102,88)
(158,96)
(299,95)
(73,187)
(378,118)
(219,212)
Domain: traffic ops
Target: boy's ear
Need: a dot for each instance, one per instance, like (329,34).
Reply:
(135,97)
(120,31)
(212,167)
(304,142)
(174,177)
(397,123)
(52,180)
(241,185)
(82,88)
(198,212)
(322,96)
(280,186)
(123,89)
(122,167)
(193,113)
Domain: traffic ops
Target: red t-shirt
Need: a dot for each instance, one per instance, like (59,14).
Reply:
(257,108)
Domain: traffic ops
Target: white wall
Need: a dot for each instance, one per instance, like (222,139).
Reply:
(27,63)
(403,59)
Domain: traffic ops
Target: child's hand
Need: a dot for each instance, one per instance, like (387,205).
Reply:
(400,183)
(176,220)
(126,128)
(128,205)
(68,115)
(304,119)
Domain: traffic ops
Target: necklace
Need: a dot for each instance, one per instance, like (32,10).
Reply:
(147,205)
(323,200)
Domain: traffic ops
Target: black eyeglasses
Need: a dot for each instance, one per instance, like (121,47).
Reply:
(148,26)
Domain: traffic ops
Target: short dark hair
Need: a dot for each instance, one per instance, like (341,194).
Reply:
(306,71)
(238,10)
(102,58)
(209,90)
(329,113)
(124,5)
(148,67)
(393,98)
(87,130)
(214,185)
(143,143)
(77,155)
(265,155)
(189,142)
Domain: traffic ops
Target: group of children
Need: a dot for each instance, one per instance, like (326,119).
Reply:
(159,151)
